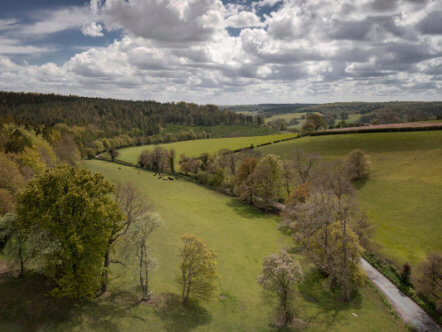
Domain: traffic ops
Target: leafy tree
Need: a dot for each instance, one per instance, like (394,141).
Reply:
(72,206)
(280,275)
(198,269)
(268,179)
(358,164)
(244,185)
(11,180)
(172,156)
(308,126)
(216,177)
(114,153)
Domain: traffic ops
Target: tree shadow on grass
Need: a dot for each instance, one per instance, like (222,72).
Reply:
(104,311)
(244,209)
(315,290)
(358,184)
(25,303)
(179,317)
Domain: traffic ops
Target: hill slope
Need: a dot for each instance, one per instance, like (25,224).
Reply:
(403,195)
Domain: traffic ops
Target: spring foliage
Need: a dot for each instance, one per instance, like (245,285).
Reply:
(73,207)
(198,269)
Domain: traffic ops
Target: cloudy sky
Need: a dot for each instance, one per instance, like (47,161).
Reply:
(224,52)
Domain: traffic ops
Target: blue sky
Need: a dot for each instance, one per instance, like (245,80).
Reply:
(212,51)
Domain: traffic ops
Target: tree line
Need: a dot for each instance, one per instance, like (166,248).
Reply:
(97,124)
(321,211)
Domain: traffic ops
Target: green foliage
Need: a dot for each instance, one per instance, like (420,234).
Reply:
(73,207)
(241,235)
(358,165)
(196,147)
(198,269)
(402,196)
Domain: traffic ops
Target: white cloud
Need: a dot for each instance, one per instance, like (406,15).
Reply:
(13,46)
(166,21)
(315,51)
(243,19)
(92,29)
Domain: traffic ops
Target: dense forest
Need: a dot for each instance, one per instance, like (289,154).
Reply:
(98,124)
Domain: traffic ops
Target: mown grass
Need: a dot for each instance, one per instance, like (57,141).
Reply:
(196,147)
(242,236)
(403,194)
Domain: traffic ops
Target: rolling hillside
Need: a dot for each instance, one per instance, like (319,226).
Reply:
(403,195)
(242,236)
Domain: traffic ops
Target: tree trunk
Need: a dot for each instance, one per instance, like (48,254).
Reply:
(22,268)
(105,273)
(346,286)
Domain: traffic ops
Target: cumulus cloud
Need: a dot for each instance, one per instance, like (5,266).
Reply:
(166,21)
(92,29)
(315,51)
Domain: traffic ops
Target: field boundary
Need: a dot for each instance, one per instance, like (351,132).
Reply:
(376,129)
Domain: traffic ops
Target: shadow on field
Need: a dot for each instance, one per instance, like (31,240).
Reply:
(179,317)
(315,290)
(244,210)
(25,305)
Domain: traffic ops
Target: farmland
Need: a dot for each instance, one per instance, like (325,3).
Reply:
(196,147)
(242,236)
(402,197)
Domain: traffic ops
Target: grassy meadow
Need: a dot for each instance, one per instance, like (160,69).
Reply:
(240,234)
(403,194)
(196,147)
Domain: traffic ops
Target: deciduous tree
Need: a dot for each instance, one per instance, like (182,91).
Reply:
(198,269)
(280,275)
(73,207)
(358,165)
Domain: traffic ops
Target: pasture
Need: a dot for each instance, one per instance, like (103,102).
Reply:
(403,194)
(242,236)
(196,147)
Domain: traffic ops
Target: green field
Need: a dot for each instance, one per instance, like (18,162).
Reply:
(242,236)
(286,116)
(403,195)
(196,147)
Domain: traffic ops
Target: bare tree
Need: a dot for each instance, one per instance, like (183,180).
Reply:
(134,206)
(303,165)
(139,237)
(289,175)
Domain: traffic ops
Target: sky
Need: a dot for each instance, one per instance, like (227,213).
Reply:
(224,52)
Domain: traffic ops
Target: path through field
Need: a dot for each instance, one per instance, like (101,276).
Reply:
(409,311)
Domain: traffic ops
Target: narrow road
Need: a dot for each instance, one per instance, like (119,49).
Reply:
(409,311)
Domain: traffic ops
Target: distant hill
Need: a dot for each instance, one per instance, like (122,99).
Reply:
(377,112)
(267,109)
